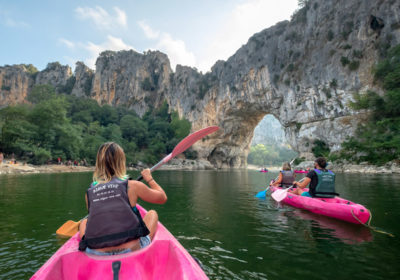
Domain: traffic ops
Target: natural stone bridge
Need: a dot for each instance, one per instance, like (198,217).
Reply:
(294,70)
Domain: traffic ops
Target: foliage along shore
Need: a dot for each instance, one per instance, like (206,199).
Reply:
(59,126)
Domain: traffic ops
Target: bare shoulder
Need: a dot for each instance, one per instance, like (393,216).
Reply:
(133,184)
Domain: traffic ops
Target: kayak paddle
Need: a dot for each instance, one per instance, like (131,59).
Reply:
(280,195)
(263,194)
(69,228)
(183,146)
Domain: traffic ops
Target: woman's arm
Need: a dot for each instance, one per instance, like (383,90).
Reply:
(279,180)
(154,194)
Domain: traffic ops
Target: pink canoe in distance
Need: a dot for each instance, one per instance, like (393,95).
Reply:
(164,258)
(336,207)
(301,171)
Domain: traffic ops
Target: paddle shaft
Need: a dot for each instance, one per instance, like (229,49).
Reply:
(154,168)
(183,145)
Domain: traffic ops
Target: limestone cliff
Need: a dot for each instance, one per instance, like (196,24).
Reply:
(302,71)
(15,83)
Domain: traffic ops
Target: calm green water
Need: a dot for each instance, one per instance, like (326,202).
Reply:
(217,219)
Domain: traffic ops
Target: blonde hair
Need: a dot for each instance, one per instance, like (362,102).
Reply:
(110,162)
(286,166)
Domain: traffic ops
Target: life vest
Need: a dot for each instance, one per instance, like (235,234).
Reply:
(111,220)
(326,184)
(287,178)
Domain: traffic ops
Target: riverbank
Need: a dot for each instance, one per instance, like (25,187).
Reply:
(389,168)
(185,164)
(23,168)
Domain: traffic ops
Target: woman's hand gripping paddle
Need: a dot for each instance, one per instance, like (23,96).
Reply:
(69,228)
(182,146)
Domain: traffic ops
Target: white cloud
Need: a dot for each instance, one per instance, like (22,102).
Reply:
(247,18)
(8,21)
(101,18)
(67,43)
(175,49)
(111,44)
(121,17)
(148,31)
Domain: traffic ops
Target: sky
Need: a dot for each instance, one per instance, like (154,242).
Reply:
(192,33)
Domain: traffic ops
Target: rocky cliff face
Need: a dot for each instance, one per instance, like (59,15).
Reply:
(15,83)
(304,72)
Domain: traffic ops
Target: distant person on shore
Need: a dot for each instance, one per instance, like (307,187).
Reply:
(114,224)
(286,176)
(1,158)
(59,160)
(321,180)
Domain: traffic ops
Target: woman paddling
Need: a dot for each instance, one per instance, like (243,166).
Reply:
(114,225)
(286,176)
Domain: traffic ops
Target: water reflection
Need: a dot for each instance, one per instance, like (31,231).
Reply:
(326,227)
(217,219)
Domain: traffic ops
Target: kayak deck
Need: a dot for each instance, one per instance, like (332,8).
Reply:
(335,207)
(164,258)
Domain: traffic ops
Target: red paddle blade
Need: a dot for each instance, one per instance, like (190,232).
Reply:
(191,139)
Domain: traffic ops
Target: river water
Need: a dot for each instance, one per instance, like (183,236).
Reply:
(216,217)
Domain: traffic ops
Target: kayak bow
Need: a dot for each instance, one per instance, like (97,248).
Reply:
(164,258)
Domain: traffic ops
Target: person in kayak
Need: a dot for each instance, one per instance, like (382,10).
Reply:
(114,224)
(321,180)
(286,176)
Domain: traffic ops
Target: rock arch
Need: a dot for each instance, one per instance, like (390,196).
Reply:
(292,70)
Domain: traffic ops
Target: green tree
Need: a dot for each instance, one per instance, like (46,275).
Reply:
(41,93)
(181,127)
(134,129)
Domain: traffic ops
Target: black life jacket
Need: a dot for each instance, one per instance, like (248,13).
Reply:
(287,178)
(111,221)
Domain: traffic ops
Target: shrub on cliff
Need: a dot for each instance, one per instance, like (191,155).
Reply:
(378,140)
(320,148)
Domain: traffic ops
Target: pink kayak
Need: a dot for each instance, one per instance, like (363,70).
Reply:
(335,207)
(164,258)
(301,171)
(264,171)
